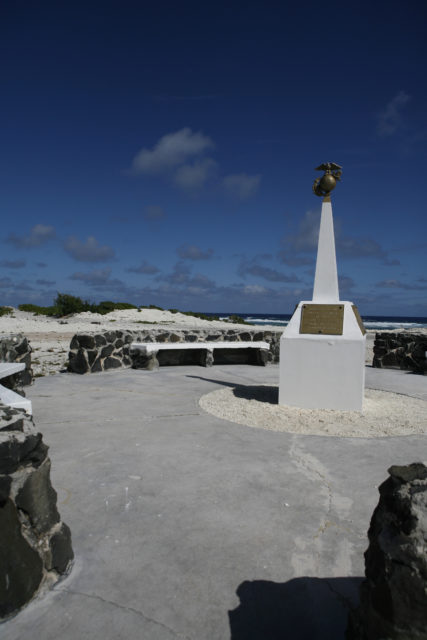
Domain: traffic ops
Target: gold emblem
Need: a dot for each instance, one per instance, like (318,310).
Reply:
(324,185)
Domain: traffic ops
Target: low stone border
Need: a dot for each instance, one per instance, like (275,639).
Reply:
(401,351)
(90,353)
(393,596)
(35,546)
(16,348)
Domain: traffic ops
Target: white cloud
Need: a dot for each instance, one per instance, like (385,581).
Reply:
(38,235)
(191,252)
(390,119)
(145,268)
(88,251)
(96,276)
(13,264)
(241,185)
(254,290)
(171,151)
(194,176)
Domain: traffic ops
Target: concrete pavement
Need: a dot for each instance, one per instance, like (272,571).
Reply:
(188,526)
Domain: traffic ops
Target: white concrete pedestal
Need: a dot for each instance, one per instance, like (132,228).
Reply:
(323,371)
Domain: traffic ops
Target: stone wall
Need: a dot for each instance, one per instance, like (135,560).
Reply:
(35,546)
(90,353)
(16,348)
(393,597)
(401,351)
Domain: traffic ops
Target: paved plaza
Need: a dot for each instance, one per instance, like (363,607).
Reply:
(188,526)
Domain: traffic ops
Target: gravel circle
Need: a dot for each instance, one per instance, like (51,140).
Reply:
(384,413)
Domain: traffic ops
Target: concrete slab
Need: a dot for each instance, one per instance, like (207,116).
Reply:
(188,526)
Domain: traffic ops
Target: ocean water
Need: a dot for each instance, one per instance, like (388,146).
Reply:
(375,323)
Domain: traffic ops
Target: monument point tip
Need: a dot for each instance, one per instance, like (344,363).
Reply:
(324,185)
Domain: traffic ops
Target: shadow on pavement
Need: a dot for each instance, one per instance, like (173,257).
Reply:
(262,393)
(300,609)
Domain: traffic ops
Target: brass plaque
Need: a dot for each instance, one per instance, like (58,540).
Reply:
(326,319)
(359,319)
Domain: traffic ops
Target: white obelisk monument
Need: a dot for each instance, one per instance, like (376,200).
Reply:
(322,350)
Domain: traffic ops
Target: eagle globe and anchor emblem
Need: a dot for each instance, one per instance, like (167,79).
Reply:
(324,185)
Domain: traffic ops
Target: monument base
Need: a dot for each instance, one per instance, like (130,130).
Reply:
(320,371)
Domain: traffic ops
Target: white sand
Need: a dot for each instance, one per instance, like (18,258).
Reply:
(384,413)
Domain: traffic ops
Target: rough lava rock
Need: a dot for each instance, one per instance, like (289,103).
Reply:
(403,350)
(393,597)
(110,349)
(35,546)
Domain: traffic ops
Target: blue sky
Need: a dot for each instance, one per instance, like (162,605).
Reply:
(163,153)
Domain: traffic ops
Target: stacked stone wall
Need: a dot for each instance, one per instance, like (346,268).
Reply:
(35,546)
(393,597)
(16,348)
(90,352)
(401,351)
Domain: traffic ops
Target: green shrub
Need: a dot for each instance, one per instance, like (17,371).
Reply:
(67,304)
(38,311)
(202,316)
(6,311)
(106,306)
(237,319)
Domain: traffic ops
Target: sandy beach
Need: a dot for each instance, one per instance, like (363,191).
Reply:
(50,337)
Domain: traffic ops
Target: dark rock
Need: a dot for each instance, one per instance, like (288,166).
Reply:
(97,366)
(190,338)
(213,337)
(37,498)
(14,425)
(5,482)
(14,448)
(128,338)
(262,356)
(144,361)
(86,341)
(37,455)
(119,343)
(258,336)
(77,362)
(107,351)
(111,363)
(390,359)
(74,344)
(91,356)
(22,347)
(100,340)
(110,336)
(173,337)
(245,336)
(61,550)
(409,472)
(127,361)
(162,337)
(393,597)
(21,568)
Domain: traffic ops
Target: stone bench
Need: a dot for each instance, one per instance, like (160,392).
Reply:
(146,355)
(9,397)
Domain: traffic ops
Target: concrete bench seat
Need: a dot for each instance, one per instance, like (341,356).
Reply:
(9,397)
(146,355)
